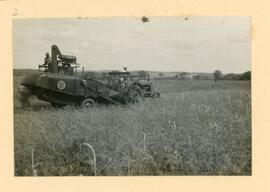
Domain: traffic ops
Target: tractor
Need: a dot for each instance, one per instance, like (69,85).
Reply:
(58,83)
(144,82)
(139,80)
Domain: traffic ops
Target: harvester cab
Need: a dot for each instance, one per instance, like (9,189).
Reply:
(59,63)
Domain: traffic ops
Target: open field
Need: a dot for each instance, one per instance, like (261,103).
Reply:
(195,128)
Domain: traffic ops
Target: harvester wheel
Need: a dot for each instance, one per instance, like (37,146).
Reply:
(156,95)
(86,103)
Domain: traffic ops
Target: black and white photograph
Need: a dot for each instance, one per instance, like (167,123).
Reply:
(132,96)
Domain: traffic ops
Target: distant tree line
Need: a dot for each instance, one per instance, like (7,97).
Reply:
(216,75)
(239,77)
(184,76)
(231,76)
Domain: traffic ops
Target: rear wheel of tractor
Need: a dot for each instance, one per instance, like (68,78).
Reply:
(136,94)
(86,103)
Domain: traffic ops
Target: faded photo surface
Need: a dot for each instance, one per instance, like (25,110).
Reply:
(130,96)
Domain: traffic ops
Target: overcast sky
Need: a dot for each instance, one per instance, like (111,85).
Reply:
(193,44)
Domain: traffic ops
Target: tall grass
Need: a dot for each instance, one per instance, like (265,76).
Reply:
(195,128)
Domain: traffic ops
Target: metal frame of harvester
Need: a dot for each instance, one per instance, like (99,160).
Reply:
(56,83)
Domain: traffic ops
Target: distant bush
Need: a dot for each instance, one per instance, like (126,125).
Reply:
(245,76)
(217,75)
(231,76)
(201,77)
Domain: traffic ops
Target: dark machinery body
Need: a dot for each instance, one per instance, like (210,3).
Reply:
(148,87)
(142,82)
(64,89)
(58,85)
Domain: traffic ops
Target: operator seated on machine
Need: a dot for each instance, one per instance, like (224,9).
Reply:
(47,62)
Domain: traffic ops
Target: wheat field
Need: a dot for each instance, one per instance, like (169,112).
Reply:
(195,128)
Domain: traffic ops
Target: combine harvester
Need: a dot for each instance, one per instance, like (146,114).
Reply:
(57,82)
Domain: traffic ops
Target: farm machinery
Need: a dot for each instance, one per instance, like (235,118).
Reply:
(148,86)
(58,83)
(140,80)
